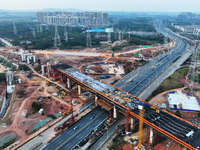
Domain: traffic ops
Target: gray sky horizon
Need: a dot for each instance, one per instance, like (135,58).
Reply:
(105,5)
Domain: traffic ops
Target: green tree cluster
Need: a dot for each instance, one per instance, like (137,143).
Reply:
(2,77)
(136,24)
(178,113)
(36,106)
(23,67)
(20,93)
(195,77)
(45,40)
(147,40)
(7,64)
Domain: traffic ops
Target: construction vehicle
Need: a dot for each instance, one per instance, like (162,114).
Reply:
(49,97)
(61,96)
(61,127)
(47,83)
(41,89)
(66,112)
(64,93)
(157,108)
(181,106)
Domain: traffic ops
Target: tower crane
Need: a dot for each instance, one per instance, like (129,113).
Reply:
(141,108)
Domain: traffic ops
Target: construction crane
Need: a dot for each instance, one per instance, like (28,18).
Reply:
(141,108)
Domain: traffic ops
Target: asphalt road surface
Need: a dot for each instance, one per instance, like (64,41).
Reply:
(107,134)
(141,81)
(75,134)
(148,91)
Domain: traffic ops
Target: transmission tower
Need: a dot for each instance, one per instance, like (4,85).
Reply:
(119,38)
(66,34)
(34,35)
(116,34)
(14,29)
(40,28)
(88,40)
(109,37)
(193,77)
(56,38)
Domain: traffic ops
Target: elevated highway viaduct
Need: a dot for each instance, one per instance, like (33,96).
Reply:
(167,124)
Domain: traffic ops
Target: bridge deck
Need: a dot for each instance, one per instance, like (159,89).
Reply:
(164,122)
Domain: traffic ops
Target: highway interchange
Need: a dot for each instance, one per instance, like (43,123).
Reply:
(176,127)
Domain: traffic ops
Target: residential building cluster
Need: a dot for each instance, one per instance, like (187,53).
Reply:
(194,29)
(73,19)
(188,16)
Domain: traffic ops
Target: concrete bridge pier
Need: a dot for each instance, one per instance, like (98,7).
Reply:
(133,121)
(151,136)
(60,78)
(43,69)
(48,70)
(114,112)
(79,90)
(54,76)
(95,98)
(111,114)
(68,83)
(127,124)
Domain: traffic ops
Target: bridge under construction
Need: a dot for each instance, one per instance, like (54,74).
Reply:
(116,100)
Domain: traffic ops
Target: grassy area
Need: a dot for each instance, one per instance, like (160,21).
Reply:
(8,144)
(171,82)
(195,77)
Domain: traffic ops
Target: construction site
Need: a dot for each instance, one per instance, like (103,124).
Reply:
(57,95)
(24,122)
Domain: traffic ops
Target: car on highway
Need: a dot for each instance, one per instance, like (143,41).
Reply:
(92,117)
(75,128)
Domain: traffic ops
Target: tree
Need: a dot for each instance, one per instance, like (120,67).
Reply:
(178,113)
(8,64)
(2,77)
(23,67)
(20,93)
(1,59)
(13,68)
(36,106)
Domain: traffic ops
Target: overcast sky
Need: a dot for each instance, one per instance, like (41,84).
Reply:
(105,5)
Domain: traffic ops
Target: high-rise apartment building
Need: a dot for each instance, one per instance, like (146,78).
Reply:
(69,19)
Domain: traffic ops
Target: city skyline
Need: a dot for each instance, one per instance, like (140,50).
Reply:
(103,5)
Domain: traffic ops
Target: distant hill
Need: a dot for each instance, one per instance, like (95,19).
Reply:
(67,9)
(46,9)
